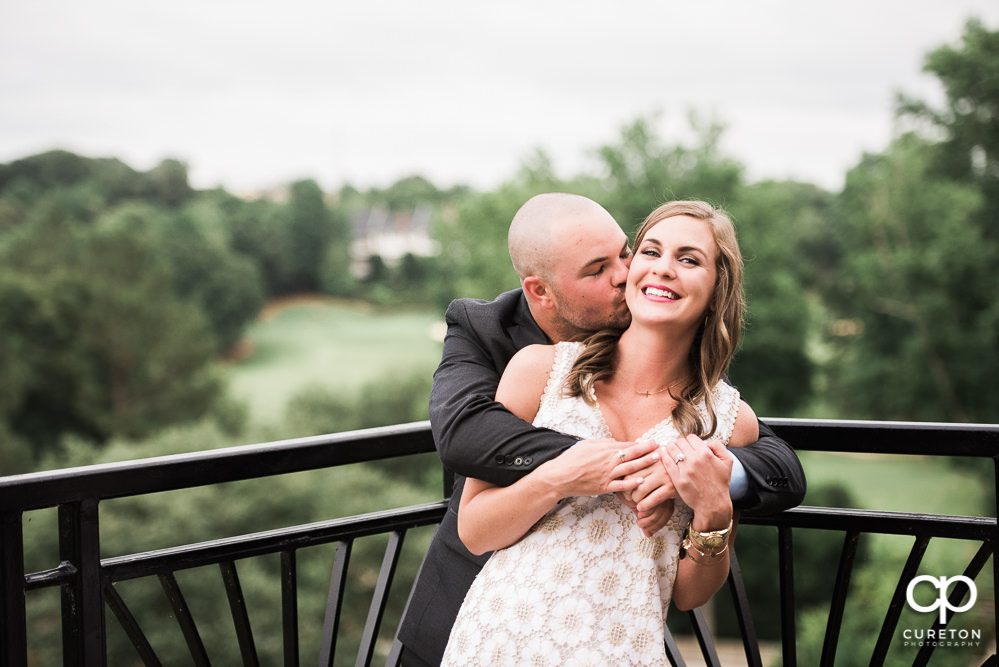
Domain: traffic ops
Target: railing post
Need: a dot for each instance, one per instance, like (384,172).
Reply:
(13,625)
(83,630)
(995,550)
(785,561)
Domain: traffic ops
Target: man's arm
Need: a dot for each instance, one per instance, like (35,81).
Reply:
(475,436)
(775,479)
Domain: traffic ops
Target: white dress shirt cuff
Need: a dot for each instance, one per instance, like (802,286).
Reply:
(739,483)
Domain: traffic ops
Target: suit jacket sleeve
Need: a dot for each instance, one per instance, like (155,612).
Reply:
(776,479)
(476,436)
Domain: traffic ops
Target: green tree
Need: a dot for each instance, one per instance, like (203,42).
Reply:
(969,121)
(256,231)
(309,230)
(643,171)
(166,184)
(335,275)
(114,349)
(151,349)
(783,235)
(225,285)
(916,287)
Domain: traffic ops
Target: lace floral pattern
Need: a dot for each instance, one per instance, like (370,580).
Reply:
(585,586)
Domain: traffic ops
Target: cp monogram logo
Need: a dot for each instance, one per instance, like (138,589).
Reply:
(941,603)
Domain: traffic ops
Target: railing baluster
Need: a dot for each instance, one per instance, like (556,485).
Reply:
(131,627)
(237,606)
(13,624)
(334,602)
(672,650)
(289,606)
(897,600)
(83,631)
(838,603)
(703,635)
(184,618)
(743,614)
(785,561)
(379,598)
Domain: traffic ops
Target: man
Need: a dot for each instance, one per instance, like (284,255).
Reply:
(572,259)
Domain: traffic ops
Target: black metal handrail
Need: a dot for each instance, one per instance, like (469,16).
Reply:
(87,581)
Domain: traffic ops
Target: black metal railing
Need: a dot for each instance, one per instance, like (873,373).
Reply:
(88,583)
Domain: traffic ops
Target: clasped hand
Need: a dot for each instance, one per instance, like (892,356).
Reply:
(648,477)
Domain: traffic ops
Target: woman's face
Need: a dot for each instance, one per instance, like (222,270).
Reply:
(672,275)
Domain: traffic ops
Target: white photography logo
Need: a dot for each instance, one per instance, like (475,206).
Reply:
(942,603)
(942,637)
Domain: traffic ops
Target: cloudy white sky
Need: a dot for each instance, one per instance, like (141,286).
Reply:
(252,93)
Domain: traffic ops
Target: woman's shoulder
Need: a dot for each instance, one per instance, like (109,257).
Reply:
(524,380)
(736,418)
(746,429)
(729,409)
(532,355)
(540,353)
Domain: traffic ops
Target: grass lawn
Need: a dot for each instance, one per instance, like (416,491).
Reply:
(897,483)
(334,344)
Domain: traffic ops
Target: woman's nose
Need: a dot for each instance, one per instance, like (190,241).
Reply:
(663,267)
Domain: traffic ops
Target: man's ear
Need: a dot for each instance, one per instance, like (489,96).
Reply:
(538,292)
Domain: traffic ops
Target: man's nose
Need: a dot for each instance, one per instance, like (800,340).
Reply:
(620,274)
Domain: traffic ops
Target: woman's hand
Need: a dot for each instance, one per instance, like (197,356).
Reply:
(594,467)
(701,472)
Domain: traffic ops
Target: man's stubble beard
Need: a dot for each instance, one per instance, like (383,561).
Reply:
(587,320)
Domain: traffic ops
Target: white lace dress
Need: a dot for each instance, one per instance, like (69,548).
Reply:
(585,586)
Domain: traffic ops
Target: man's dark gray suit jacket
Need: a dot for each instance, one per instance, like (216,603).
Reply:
(476,437)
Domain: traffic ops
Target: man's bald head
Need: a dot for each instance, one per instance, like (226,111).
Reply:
(572,259)
(535,229)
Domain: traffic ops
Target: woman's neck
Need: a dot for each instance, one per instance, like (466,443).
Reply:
(649,359)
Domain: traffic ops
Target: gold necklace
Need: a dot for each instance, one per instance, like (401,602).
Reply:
(647,394)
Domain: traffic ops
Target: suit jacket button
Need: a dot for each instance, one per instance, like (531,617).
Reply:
(528,460)
(519,461)
(499,459)
(508,460)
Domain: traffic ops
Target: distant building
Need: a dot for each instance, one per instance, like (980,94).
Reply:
(391,236)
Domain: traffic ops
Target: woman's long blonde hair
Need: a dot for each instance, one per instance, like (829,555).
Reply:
(715,342)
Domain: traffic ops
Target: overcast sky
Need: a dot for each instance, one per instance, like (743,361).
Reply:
(252,93)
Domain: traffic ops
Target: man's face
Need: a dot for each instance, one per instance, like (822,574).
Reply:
(590,275)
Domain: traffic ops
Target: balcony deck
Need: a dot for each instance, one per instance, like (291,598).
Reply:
(87,583)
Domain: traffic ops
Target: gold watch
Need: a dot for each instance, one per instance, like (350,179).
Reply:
(711,540)
(710,544)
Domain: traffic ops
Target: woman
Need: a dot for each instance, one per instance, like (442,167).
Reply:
(575,580)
